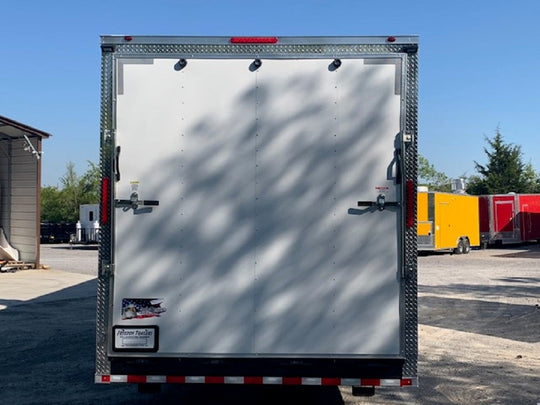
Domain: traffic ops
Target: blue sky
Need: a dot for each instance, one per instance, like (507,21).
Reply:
(479,63)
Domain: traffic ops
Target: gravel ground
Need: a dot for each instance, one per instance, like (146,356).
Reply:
(81,259)
(479,340)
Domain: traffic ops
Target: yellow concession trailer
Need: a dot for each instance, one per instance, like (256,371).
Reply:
(448,221)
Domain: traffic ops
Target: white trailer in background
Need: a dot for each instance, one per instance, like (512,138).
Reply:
(87,227)
(258,211)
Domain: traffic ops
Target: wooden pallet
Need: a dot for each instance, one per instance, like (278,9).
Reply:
(12,266)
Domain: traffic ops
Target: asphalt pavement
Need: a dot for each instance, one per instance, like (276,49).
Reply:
(479,337)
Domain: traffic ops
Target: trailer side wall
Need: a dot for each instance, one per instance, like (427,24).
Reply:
(444,219)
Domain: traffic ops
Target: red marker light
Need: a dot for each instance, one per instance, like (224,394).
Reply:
(254,40)
(104,210)
(128,38)
(391,39)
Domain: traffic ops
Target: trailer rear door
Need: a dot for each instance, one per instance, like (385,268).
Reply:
(529,213)
(237,229)
(506,226)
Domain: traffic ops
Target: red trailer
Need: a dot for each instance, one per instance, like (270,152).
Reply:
(529,216)
(509,218)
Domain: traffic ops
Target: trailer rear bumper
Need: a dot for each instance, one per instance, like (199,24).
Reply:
(257,380)
(266,371)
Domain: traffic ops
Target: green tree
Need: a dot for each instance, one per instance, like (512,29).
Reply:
(52,206)
(71,192)
(430,177)
(62,204)
(532,179)
(90,183)
(504,172)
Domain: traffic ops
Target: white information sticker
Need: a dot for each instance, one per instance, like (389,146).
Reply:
(135,338)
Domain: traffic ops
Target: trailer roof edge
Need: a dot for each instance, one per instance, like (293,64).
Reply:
(282,40)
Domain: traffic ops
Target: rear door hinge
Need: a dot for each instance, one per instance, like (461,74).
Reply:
(106,270)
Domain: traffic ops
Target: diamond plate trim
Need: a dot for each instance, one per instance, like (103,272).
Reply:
(191,50)
(105,248)
(411,242)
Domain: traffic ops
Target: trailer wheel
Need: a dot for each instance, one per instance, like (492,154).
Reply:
(466,246)
(460,249)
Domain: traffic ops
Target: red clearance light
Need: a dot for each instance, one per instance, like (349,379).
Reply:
(391,39)
(128,38)
(104,209)
(254,40)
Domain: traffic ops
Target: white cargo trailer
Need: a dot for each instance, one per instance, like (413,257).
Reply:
(258,221)
(87,227)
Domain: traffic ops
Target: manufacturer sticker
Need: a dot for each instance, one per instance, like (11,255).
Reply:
(133,338)
(382,188)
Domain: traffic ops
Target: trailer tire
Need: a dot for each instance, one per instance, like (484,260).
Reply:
(460,249)
(466,246)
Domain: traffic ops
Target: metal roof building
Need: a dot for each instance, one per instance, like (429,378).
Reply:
(20,185)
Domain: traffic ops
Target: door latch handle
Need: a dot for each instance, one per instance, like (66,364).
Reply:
(117,163)
(134,202)
(380,203)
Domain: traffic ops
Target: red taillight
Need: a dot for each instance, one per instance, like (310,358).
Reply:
(104,209)
(254,40)
(406,382)
(410,204)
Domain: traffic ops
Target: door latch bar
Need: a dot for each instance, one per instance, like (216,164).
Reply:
(380,203)
(135,203)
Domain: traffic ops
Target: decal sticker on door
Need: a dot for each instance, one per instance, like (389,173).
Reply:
(138,308)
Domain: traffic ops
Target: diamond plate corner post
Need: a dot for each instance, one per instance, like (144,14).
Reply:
(411,238)
(105,247)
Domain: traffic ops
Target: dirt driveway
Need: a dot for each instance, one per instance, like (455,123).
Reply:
(479,337)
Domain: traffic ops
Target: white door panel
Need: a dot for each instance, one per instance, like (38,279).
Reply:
(257,246)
